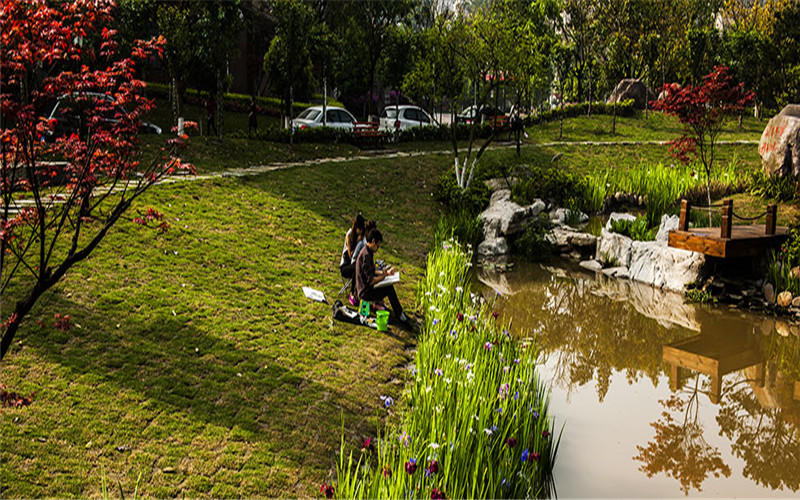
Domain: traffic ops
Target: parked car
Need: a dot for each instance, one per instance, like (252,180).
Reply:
(486,112)
(71,112)
(312,117)
(404,117)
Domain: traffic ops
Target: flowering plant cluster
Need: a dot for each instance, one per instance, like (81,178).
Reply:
(475,418)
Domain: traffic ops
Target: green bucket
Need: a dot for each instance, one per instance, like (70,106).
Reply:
(382,320)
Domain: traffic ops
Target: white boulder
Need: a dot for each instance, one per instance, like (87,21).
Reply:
(618,216)
(664,267)
(613,248)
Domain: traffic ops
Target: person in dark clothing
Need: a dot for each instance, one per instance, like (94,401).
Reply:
(347,264)
(252,123)
(367,277)
(211,111)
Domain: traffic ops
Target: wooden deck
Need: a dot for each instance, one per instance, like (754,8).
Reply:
(714,356)
(729,241)
(745,241)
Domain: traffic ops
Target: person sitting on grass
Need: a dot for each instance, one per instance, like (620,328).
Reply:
(347,264)
(367,276)
(370,226)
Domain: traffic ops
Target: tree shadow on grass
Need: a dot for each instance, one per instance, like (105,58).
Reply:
(197,378)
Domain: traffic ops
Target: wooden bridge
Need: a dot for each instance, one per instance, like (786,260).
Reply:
(728,240)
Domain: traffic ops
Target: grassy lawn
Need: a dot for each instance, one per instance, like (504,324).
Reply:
(656,127)
(194,359)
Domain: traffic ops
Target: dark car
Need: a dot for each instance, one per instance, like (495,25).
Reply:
(72,111)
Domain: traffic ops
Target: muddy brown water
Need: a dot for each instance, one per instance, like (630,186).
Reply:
(658,398)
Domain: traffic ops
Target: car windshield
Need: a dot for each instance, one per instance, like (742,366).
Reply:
(309,114)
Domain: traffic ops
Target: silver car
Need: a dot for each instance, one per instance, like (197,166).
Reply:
(404,117)
(312,117)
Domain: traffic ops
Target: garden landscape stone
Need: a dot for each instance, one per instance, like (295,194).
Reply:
(779,146)
(769,293)
(561,215)
(504,218)
(651,262)
(591,265)
(631,88)
(785,299)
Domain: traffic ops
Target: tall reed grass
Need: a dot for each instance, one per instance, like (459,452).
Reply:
(476,421)
(661,186)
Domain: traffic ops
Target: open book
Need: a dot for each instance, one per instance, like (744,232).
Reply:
(389,280)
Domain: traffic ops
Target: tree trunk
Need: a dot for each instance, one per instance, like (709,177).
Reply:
(218,113)
(291,120)
(614,122)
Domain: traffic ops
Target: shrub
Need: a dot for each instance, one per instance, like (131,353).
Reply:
(553,185)
(470,202)
(236,102)
(772,187)
(533,244)
(625,108)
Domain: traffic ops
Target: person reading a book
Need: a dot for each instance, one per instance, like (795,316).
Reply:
(368,278)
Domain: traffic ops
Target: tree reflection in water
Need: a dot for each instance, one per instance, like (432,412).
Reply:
(679,449)
(767,439)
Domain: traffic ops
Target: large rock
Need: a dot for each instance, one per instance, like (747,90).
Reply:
(785,299)
(667,224)
(561,215)
(504,217)
(630,88)
(664,267)
(566,239)
(493,246)
(614,249)
(780,143)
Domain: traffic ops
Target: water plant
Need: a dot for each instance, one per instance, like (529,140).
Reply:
(779,273)
(638,230)
(476,421)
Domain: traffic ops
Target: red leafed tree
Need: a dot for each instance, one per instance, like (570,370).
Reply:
(702,111)
(62,195)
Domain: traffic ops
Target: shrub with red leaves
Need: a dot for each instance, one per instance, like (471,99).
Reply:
(45,54)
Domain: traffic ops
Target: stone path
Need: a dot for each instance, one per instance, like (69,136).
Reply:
(261,169)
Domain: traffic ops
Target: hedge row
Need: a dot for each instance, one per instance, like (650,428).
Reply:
(240,103)
(625,108)
(429,133)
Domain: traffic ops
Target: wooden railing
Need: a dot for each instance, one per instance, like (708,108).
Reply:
(727,217)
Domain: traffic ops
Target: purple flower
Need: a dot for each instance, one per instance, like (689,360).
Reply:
(411,466)
(435,322)
(433,468)
(460,317)
(439,372)
(388,401)
(487,346)
(511,442)
(525,455)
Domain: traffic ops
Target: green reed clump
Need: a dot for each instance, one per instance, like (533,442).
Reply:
(661,186)
(638,230)
(476,423)
(779,273)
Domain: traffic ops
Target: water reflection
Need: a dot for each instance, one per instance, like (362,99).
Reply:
(676,358)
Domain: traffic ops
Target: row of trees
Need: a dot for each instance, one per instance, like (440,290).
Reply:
(364,49)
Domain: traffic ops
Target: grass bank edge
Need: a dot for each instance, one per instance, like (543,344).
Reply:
(455,437)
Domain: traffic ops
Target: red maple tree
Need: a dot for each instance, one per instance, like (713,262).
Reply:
(702,110)
(62,194)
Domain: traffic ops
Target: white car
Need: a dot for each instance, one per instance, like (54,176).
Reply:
(404,117)
(312,117)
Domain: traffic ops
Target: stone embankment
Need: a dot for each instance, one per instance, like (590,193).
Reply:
(618,256)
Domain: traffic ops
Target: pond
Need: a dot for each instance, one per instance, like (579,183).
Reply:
(659,398)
